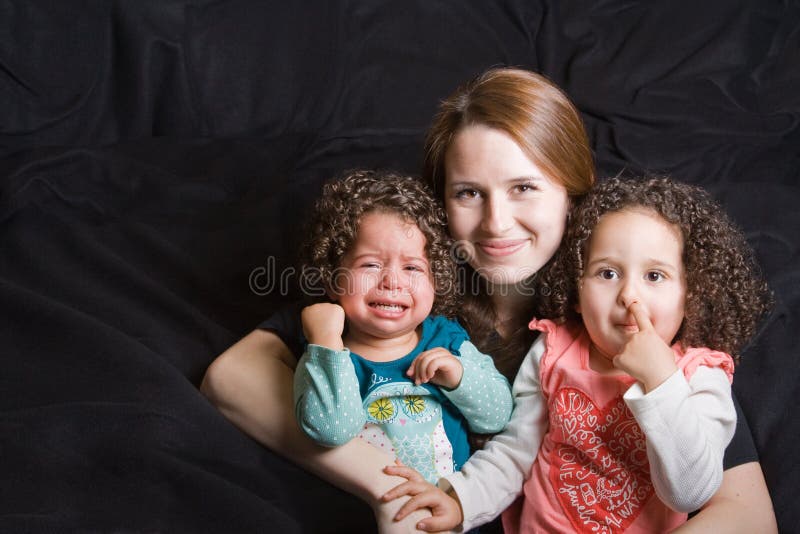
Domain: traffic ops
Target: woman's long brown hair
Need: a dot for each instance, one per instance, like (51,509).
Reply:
(548,128)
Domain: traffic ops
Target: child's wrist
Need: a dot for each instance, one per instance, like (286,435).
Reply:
(658,376)
(446,384)
(460,376)
(450,491)
(456,381)
(333,342)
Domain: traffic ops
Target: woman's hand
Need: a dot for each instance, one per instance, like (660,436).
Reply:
(646,357)
(438,366)
(446,510)
(323,324)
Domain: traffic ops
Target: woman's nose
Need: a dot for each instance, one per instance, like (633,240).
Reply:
(498,217)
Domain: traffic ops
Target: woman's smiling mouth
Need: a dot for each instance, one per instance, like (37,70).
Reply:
(501,248)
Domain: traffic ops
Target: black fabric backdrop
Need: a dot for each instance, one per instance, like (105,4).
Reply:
(157,156)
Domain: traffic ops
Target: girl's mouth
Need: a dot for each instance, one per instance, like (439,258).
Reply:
(388,307)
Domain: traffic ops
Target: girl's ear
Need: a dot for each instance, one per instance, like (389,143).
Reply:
(678,338)
(330,294)
(332,288)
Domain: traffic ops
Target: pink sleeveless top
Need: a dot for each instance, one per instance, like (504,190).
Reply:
(591,473)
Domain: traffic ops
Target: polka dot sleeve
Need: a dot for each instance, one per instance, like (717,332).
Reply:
(326,396)
(483,397)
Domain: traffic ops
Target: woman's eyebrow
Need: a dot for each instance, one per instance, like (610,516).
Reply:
(463,183)
(508,181)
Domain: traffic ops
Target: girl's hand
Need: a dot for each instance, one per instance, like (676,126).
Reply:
(646,357)
(323,324)
(437,366)
(446,510)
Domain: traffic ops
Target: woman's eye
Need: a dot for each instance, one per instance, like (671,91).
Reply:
(524,188)
(467,193)
(370,265)
(654,276)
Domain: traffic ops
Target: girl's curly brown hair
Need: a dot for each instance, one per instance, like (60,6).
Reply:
(334,224)
(726,294)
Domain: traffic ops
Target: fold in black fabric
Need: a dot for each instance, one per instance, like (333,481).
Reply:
(158,158)
(120,282)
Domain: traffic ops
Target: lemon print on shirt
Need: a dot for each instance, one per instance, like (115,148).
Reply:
(381,410)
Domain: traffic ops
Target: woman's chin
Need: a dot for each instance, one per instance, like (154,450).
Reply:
(508,281)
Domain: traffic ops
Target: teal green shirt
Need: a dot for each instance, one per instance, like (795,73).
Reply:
(339,395)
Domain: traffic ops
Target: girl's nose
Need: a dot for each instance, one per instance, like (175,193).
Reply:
(389,279)
(497,216)
(627,294)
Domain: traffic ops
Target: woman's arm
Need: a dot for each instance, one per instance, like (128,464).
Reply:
(248,382)
(742,504)
(251,384)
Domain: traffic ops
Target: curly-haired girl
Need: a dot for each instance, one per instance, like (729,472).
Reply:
(650,298)
(377,365)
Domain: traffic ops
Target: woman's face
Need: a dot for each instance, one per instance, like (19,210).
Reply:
(504,212)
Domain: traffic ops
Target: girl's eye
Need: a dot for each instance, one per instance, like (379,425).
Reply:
(654,276)
(370,265)
(608,274)
(415,268)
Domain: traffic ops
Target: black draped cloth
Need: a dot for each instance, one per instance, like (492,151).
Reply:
(158,156)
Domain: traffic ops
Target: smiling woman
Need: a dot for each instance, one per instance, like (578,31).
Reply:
(506,154)
(506,210)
